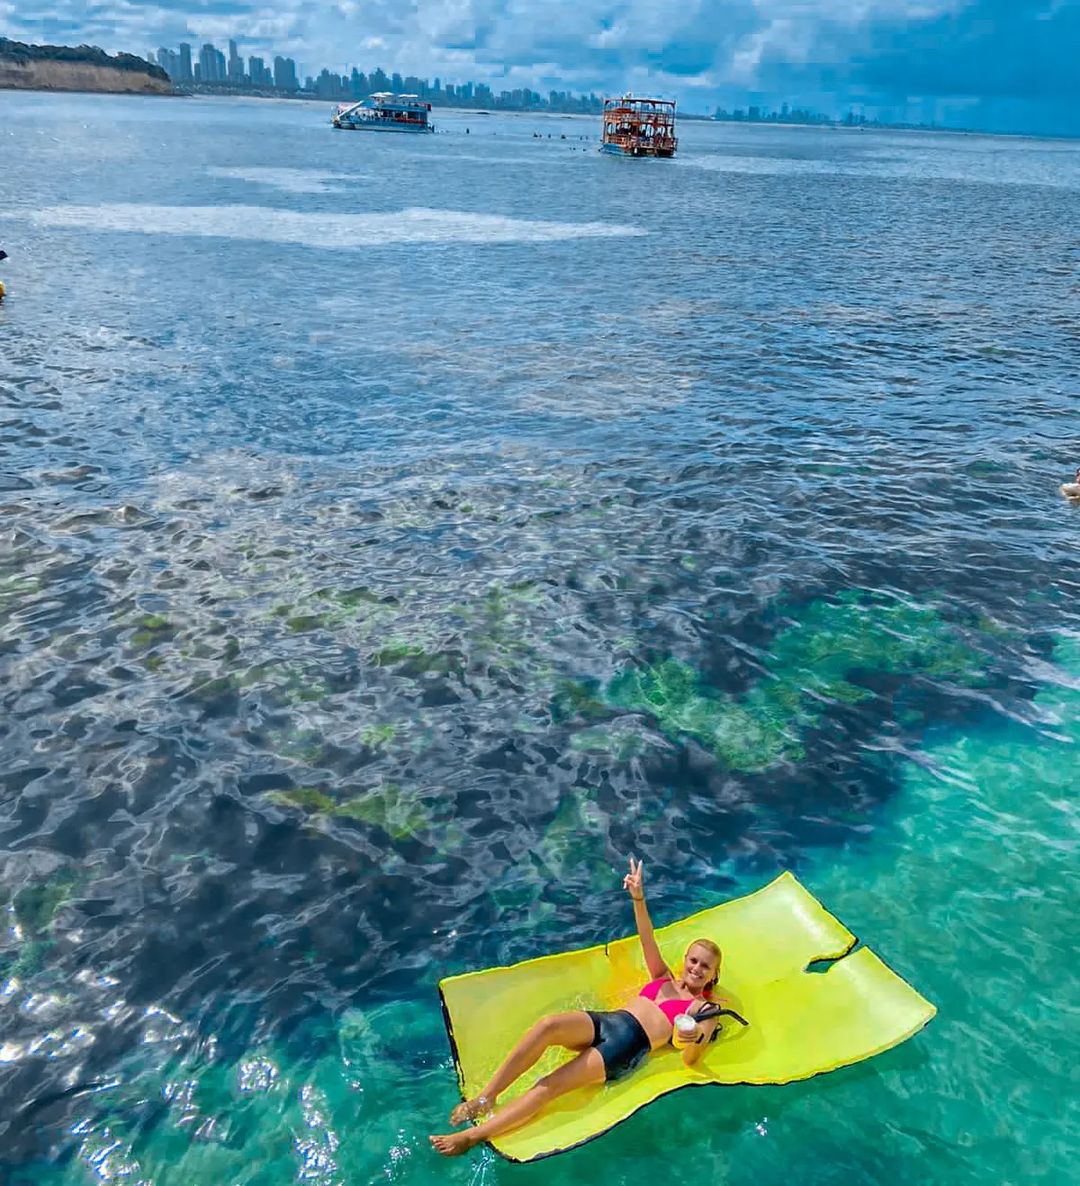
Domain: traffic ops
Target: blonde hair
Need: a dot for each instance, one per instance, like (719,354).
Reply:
(712,949)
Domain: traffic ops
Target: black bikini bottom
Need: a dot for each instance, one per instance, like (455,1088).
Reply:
(621,1040)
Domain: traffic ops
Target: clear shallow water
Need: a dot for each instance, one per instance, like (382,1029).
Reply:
(363,603)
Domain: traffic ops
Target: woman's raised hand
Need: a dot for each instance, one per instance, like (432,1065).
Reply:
(634,881)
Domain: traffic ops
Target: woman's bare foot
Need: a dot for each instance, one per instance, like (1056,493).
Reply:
(453,1144)
(471,1109)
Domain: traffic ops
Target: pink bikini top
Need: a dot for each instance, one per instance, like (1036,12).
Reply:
(670,1009)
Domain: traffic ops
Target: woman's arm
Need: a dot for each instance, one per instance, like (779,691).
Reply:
(633,883)
(692,1053)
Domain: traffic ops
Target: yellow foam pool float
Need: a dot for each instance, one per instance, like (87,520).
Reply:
(801,1023)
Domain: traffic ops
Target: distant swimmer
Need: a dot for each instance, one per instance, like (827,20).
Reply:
(3,255)
(1072,489)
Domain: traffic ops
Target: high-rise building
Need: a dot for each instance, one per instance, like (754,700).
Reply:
(211,64)
(326,84)
(169,61)
(285,74)
(185,62)
(236,64)
(258,73)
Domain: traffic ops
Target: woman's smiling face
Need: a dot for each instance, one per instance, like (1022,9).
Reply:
(700,967)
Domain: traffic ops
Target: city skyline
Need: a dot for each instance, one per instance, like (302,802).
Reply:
(211,67)
(991,64)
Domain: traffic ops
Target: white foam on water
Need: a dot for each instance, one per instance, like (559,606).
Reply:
(960,160)
(338,231)
(761,165)
(290,181)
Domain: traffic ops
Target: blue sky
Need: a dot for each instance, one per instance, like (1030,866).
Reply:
(1005,64)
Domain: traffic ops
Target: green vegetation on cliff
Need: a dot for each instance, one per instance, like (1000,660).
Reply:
(89,55)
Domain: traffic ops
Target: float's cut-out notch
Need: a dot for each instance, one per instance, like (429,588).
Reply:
(824,963)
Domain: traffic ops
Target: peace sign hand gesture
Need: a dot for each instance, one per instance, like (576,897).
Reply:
(633,882)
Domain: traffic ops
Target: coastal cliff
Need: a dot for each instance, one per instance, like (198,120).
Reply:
(82,68)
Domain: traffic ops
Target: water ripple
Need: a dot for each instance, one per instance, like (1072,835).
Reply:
(355,625)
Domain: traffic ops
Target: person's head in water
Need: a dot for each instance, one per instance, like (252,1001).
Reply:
(701,966)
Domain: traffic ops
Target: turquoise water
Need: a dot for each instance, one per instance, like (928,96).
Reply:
(393,537)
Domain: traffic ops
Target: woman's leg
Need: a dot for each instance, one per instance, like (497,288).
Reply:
(574,1031)
(584,1070)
